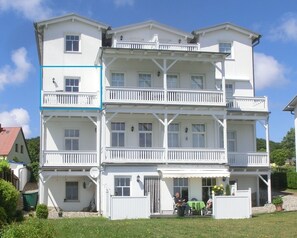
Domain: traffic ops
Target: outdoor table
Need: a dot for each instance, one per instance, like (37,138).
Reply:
(196,205)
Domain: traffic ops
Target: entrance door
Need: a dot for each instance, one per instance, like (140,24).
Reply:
(152,186)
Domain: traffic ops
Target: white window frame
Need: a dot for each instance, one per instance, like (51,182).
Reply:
(169,82)
(224,49)
(194,84)
(173,132)
(122,185)
(116,82)
(118,130)
(146,133)
(232,140)
(79,42)
(144,80)
(180,185)
(194,133)
(229,92)
(72,135)
(207,184)
(75,79)
(72,196)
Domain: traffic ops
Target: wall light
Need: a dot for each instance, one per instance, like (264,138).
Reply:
(138,178)
(224,179)
(179,41)
(132,128)
(121,37)
(159,73)
(186,129)
(54,81)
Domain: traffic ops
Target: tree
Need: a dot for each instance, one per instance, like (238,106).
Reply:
(261,145)
(279,156)
(288,142)
(33,145)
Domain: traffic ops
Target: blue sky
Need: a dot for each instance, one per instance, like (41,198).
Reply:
(275,56)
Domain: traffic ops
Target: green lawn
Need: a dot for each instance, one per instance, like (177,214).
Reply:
(283,224)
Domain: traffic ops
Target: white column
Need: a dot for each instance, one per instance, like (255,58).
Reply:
(223,82)
(165,140)
(103,135)
(267,138)
(269,187)
(41,190)
(258,192)
(225,139)
(98,147)
(165,79)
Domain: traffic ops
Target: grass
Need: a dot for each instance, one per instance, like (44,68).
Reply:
(281,224)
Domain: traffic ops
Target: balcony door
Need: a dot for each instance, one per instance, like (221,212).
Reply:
(145,134)
(71,87)
(198,135)
(152,187)
(173,135)
(71,137)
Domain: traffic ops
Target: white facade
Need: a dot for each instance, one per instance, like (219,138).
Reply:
(155,109)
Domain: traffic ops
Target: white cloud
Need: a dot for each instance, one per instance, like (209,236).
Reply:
(15,118)
(268,72)
(18,73)
(121,3)
(31,9)
(286,30)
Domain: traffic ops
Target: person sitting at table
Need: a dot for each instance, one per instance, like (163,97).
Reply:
(208,207)
(180,202)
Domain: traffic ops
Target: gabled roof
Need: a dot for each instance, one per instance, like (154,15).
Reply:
(292,105)
(151,24)
(72,17)
(8,135)
(253,35)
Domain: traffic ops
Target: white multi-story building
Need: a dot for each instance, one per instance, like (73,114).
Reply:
(147,108)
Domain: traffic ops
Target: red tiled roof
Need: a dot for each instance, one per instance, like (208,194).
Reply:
(8,136)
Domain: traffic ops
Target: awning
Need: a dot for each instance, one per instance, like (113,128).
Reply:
(194,173)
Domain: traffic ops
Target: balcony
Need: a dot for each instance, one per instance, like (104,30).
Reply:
(155,46)
(70,158)
(248,159)
(158,96)
(69,99)
(247,104)
(157,155)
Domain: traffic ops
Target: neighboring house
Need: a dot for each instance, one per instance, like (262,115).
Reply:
(14,150)
(292,108)
(147,108)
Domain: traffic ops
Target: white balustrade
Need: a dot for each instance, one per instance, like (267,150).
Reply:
(247,103)
(156,46)
(212,156)
(70,99)
(69,158)
(248,159)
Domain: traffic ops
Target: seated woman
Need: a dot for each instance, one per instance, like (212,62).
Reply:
(180,202)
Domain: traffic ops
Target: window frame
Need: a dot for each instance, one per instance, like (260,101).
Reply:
(206,186)
(118,131)
(194,133)
(70,197)
(72,139)
(122,187)
(173,133)
(144,80)
(146,133)
(232,140)
(181,185)
(72,86)
(79,42)
(117,73)
(171,76)
(222,49)
(16,147)
(203,81)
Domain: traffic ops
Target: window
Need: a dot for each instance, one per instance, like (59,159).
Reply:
(172,81)
(145,134)
(225,48)
(145,80)
(207,184)
(117,134)
(122,186)
(231,138)
(229,90)
(197,82)
(71,85)
(117,79)
(198,131)
(71,191)
(22,149)
(71,139)
(16,148)
(72,43)
(180,185)
(173,133)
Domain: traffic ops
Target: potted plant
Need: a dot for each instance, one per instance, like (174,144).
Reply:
(278,203)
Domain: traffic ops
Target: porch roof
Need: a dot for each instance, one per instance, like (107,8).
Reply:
(194,173)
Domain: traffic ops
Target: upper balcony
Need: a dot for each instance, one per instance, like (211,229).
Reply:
(160,96)
(155,46)
(255,104)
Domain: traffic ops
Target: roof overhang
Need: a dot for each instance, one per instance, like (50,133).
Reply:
(291,106)
(193,172)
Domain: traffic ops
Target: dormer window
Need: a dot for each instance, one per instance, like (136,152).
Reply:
(72,43)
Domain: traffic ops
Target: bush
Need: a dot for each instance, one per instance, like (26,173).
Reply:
(3,217)
(8,199)
(292,180)
(33,228)
(19,216)
(41,211)
(4,166)
(277,200)
(279,180)
(34,169)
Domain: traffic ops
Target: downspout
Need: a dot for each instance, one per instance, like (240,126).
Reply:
(254,43)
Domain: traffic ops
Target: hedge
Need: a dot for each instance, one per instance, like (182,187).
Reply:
(292,180)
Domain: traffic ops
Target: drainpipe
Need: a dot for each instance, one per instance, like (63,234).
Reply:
(254,43)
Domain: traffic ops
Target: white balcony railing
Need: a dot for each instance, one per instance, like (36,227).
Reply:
(247,103)
(70,99)
(248,159)
(70,158)
(157,96)
(157,155)
(155,46)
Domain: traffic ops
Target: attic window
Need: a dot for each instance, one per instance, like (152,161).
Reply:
(16,148)
(72,43)
(225,47)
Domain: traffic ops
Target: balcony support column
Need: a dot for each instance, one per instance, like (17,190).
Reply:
(225,139)
(165,140)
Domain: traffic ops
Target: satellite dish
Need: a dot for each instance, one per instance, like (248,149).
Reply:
(94,172)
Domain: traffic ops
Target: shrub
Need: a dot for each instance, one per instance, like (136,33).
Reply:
(228,191)
(34,168)
(292,180)
(41,211)
(8,198)
(19,216)
(277,200)
(33,228)
(3,217)
(4,165)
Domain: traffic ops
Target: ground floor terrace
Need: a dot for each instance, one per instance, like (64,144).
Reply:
(82,190)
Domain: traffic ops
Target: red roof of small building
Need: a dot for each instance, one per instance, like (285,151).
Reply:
(8,135)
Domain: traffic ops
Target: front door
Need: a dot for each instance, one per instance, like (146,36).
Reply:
(152,186)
